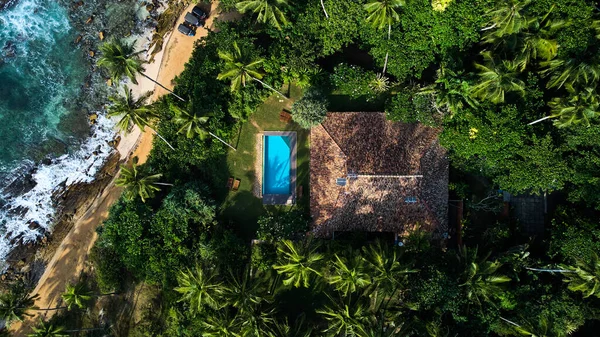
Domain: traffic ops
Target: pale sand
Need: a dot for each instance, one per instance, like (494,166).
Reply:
(71,256)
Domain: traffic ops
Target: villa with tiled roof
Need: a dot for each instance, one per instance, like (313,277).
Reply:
(371,174)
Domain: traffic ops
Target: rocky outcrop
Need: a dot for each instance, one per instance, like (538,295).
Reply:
(72,202)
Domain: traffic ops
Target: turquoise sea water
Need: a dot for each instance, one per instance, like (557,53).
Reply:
(277,162)
(46,142)
(41,73)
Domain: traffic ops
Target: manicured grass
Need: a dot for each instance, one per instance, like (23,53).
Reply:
(242,208)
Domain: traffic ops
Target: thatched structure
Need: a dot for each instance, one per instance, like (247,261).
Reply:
(372,153)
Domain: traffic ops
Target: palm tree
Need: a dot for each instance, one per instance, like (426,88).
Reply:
(570,72)
(299,329)
(384,267)
(219,324)
(138,184)
(579,108)
(199,288)
(121,60)
(193,125)
(258,323)
(382,13)
(268,11)
(344,320)
(507,19)
(298,263)
(133,112)
(15,303)
(245,291)
(240,69)
(450,92)
(348,276)
(77,295)
(45,329)
(497,79)
(584,276)
(544,327)
(480,277)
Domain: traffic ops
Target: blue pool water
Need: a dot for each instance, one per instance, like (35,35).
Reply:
(276,165)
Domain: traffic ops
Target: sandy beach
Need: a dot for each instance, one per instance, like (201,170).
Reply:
(71,256)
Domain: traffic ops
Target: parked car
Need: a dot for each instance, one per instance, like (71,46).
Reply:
(186,30)
(199,13)
(192,20)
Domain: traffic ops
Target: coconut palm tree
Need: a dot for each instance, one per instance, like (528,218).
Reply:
(193,124)
(508,19)
(257,323)
(298,263)
(220,324)
(450,92)
(570,72)
(77,295)
(133,112)
(138,184)
(239,68)
(245,291)
(299,329)
(496,79)
(45,329)
(15,303)
(384,267)
(267,11)
(200,288)
(543,327)
(383,13)
(344,320)
(584,276)
(579,108)
(348,275)
(480,277)
(121,60)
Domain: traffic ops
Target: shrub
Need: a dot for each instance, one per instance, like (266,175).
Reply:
(264,256)
(410,107)
(284,225)
(354,81)
(310,110)
(108,268)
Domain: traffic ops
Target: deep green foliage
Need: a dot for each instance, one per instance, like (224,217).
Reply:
(310,110)
(539,60)
(410,107)
(151,243)
(282,225)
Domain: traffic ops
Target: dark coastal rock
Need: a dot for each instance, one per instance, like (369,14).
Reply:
(71,202)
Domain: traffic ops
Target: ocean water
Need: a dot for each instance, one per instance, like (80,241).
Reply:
(42,74)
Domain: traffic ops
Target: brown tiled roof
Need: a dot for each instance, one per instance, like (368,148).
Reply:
(367,144)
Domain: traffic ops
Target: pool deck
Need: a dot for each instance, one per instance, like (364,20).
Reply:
(280,199)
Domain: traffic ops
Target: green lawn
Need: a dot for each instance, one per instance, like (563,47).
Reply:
(242,208)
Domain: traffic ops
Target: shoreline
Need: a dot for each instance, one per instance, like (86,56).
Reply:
(71,251)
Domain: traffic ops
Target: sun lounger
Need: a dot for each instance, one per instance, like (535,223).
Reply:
(229,183)
(285,117)
(236,185)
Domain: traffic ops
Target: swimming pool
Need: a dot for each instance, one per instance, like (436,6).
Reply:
(278,167)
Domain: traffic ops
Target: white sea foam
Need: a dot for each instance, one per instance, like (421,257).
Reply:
(32,19)
(81,166)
